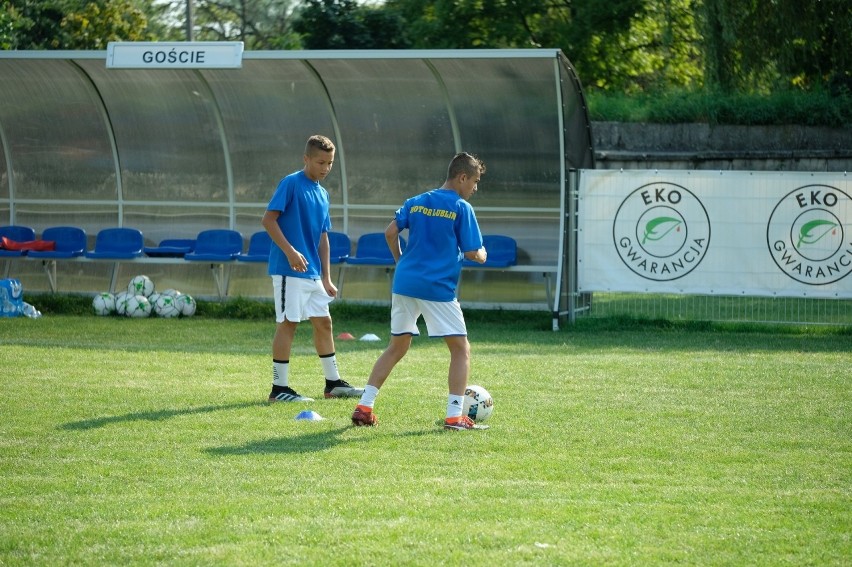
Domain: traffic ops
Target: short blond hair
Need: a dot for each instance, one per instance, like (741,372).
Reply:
(318,142)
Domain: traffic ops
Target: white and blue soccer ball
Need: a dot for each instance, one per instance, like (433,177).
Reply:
(186,304)
(166,306)
(141,285)
(478,403)
(104,304)
(138,306)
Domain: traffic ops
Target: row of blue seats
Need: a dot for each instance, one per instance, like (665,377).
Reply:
(217,245)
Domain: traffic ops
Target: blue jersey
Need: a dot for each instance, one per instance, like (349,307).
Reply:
(441,227)
(303,204)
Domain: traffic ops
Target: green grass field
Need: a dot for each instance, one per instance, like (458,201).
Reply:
(148,442)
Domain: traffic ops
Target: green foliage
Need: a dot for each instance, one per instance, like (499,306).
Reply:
(759,46)
(657,48)
(95,25)
(31,25)
(618,46)
(60,304)
(259,24)
(74,24)
(818,108)
(345,24)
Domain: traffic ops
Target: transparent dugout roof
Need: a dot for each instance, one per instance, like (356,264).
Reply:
(213,144)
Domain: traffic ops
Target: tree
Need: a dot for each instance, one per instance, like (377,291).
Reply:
(618,44)
(468,24)
(98,23)
(760,45)
(344,24)
(634,45)
(73,24)
(27,24)
(259,24)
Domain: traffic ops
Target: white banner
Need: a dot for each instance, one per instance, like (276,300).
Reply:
(174,55)
(716,232)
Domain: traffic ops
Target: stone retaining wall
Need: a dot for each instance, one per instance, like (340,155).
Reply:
(723,147)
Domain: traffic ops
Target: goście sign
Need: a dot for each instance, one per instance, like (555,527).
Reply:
(175,55)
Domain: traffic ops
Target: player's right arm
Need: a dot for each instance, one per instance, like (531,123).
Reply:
(392,238)
(270,223)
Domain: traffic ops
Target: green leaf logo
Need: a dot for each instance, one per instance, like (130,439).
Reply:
(657,228)
(813,231)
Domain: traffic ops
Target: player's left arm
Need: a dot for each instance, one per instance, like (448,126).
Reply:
(325,264)
(477,255)
(471,235)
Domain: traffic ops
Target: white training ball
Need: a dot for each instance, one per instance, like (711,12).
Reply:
(141,285)
(152,299)
(166,306)
(121,299)
(104,304)
(172,292)
(478,403)
(138,306)
(186,304)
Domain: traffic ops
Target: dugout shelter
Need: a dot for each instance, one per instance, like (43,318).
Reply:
(176,151)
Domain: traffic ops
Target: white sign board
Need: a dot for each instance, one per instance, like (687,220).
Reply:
(716,232)
(175,55)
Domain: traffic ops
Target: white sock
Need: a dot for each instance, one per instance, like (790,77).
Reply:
(329,367)
(368,398)
(280,372)
(455,405)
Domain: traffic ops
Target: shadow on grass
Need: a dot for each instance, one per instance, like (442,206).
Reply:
(159,415)
(307,443)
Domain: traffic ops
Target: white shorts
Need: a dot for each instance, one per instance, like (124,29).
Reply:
(299,299)
(443,318)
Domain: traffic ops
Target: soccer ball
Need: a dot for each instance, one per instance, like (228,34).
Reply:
(152,299)
(172,292)
(141,285)
(138,306)
(104,304)
(186,304)
(166,306)
(478,403)
(121,299)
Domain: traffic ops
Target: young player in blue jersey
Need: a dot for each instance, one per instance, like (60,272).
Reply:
(442,230)
(297,220)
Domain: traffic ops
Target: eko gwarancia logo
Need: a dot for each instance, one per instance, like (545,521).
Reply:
(809,234)
(661,231)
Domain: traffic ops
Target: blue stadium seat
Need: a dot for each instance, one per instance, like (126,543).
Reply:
(120,243)
(117,244)
(216,245)
(339,247)
(258,248)
(502,252)
(70,243)
(372,250)
(219,247)
(18,233)
(171,248)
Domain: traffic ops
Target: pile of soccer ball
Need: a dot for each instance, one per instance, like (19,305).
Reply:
(140,300)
